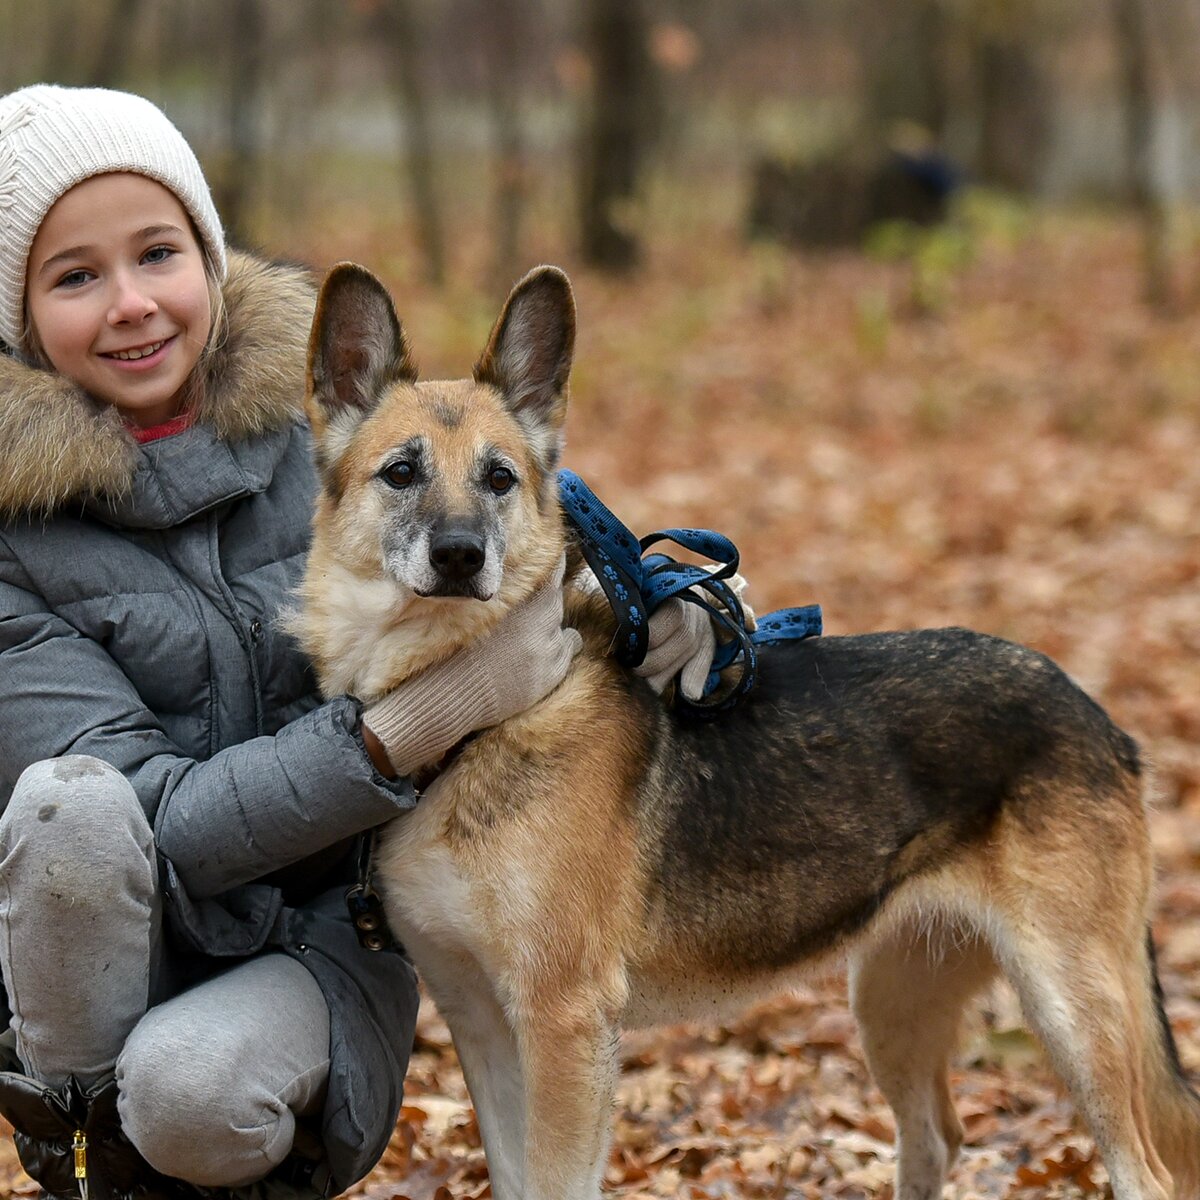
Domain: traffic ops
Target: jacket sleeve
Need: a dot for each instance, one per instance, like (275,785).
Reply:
(235,817)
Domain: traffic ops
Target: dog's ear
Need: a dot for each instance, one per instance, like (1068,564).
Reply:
(528,354)
(356,347)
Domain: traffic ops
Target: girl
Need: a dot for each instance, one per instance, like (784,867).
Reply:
(188,998)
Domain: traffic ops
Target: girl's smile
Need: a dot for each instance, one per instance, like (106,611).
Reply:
(138,353)
(136,359)
(117,294)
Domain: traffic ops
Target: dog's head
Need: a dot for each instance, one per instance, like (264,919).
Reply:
(446,488)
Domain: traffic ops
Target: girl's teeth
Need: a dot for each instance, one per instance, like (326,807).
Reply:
(128,354)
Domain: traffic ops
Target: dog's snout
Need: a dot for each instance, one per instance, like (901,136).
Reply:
(457,554)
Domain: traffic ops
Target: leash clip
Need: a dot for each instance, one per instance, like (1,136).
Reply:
(363,902)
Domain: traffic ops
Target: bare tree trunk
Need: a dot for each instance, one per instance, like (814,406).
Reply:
(505,31)
(246,46)
(168,46)
(115,44)
(398,27)
(1141,95)
(300,93)
(902,51)
(617,130)
(10,45)
(60,62)
(1014,101)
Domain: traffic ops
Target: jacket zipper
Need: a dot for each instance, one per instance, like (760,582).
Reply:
(79,1145)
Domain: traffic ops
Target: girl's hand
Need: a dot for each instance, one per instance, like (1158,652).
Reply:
(523,659)
(682,642)
(682,638)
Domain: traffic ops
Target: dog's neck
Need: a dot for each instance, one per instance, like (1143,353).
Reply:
(368,634)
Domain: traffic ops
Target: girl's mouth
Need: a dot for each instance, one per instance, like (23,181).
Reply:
(140,357)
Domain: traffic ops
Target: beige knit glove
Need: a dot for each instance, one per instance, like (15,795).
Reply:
(682,642)
(523,659)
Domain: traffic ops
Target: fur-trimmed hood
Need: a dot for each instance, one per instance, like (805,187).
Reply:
(58,445)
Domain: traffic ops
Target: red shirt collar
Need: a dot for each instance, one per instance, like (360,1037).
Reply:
(151,433)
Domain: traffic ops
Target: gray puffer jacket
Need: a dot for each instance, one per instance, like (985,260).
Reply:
(140,595)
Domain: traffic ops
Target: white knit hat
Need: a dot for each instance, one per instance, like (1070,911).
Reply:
(52,138)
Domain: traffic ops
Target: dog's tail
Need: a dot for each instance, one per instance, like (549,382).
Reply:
(1174,1106)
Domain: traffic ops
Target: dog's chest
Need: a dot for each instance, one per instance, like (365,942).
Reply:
(430,900)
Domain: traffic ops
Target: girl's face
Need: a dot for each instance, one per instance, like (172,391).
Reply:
(117,295)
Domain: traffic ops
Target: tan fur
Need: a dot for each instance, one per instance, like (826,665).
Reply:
(59,445)
(523,882)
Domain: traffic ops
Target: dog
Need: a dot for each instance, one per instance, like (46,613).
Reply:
(937,806)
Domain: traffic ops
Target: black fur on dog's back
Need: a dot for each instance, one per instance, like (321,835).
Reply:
(856,763)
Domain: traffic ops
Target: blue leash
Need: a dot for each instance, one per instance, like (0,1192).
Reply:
(637,584)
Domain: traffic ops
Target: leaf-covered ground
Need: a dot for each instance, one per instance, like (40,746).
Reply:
(984,429)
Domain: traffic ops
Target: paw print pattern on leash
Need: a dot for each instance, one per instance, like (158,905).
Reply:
(636,583)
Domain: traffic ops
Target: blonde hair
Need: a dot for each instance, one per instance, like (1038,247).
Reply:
(196,388)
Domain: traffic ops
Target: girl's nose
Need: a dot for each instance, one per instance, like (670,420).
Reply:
(130,303)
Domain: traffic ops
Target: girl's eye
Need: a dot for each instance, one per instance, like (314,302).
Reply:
(500,479)
(74,279)
(157,254)
(399,474)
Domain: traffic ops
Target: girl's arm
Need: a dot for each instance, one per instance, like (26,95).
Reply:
(235,817)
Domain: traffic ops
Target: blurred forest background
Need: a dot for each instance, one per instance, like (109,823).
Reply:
(903,295)
(557,124)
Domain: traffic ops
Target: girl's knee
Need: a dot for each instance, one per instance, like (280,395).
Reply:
(75,828)
(191,1111)
(75,787)
(55,786)
(72,796)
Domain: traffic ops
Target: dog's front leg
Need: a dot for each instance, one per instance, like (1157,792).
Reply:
(487,1051)
(568,1045)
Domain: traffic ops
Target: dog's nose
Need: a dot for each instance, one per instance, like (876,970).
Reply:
(457,554)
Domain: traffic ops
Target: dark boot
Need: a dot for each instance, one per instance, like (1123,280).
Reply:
(51,1124)
(62,1131)
(294,1179)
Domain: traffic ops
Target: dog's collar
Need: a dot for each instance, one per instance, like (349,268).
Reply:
(636,585)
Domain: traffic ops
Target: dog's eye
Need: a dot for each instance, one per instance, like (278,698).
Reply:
(399,474)
(500,479)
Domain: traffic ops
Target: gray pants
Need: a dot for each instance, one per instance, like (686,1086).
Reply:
(210,1080)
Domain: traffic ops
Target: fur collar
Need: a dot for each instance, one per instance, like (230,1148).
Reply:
(57,444)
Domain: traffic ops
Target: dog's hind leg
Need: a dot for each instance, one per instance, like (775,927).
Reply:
(908,989)
(1076,995)
(1068,928)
